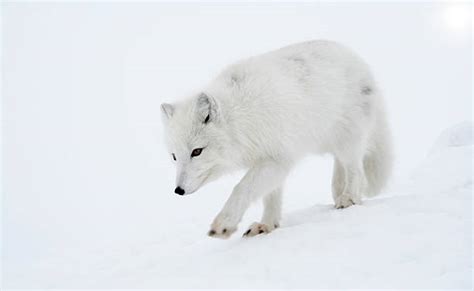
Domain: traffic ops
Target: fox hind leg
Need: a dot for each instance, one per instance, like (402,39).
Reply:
(349,179)
(338,179)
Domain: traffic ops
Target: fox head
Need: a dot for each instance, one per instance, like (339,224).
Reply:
(196,141)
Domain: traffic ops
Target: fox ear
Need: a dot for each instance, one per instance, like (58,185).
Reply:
(207,108)
(167,110)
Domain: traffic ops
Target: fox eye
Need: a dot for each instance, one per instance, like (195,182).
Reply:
(174,157)
(196,152)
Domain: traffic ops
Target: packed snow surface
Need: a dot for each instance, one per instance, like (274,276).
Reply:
(417,235)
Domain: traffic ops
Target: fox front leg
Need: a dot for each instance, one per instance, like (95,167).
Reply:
(271,215)
(259,180)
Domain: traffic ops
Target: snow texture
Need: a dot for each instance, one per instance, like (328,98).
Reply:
(416,238)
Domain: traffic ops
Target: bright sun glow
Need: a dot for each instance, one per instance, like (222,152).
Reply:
(458,16)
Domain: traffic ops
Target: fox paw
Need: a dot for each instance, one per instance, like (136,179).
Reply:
(345,200)
(259,228)
(221,229)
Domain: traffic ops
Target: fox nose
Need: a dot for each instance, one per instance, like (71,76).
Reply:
(179,191)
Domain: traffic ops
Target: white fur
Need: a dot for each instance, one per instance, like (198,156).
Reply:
(267,112)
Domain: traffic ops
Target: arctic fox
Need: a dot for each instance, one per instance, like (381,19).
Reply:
(265,113)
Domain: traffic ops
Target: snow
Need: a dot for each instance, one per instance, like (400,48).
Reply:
(458,135)
(451,152)
(87,188)
(418,238)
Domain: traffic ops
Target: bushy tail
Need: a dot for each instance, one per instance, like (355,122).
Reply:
(378,160)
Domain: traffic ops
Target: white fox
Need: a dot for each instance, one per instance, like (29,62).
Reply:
(265,113)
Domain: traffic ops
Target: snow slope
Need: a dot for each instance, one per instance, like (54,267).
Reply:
(419,236)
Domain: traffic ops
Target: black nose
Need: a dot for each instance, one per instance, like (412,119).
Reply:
(179,191)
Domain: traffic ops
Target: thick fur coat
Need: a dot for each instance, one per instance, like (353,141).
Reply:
(267,112)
